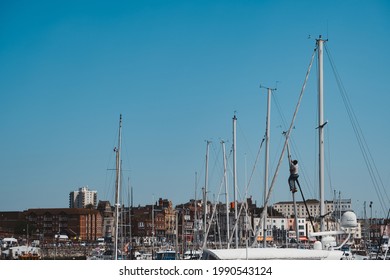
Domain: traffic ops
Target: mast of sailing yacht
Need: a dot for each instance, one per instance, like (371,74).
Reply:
(321,124)
(205,195)
(267,137)
(117,186)
(235,182)
(226,195)
(196,213)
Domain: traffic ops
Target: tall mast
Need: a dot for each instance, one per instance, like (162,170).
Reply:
(130,210)
(196,212)
(153,225)
(227,196)
(205,194)
(321,124)
(235,181)
(118,183)
(267,138)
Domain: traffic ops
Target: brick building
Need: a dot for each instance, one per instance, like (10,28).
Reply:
(77,223)
(156,221)
(11,222)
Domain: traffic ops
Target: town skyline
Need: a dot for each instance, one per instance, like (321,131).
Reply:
(369,211)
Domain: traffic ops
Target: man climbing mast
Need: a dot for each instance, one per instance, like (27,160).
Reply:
(291,181)
(293,175)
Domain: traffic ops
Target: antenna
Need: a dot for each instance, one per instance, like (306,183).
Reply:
(273,89)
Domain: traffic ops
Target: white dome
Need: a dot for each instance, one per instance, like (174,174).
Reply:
(317,245)
(349,220)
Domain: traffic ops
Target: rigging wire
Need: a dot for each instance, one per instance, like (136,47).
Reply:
(110,176)
(212,216)
(368,158)
(285,145)
(217,163)
(198,191)
(240,196)
(294,146)
(254,167)
(247,183)
(245,204)
(125,161)
(328,159)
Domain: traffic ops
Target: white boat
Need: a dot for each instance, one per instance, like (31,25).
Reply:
(21,253)
(142,256)
(9,242)
(271,254)
(385,244)
(166,255)
(192,255)
(326,249)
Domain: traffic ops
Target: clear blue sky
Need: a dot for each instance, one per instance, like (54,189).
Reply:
(177,71)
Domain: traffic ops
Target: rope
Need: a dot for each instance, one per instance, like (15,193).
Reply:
(294,147)
(368,158)
(284,147)
(246,192)
(307,208)
(300,190)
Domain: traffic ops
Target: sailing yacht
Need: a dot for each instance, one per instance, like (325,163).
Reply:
(326,249)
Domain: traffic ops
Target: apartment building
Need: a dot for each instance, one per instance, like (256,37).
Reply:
(83,224)
(334,208)
(83,198)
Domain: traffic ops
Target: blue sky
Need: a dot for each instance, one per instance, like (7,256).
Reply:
(178,71)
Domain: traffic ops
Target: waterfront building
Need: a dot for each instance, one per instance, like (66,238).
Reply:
(107,212)
(281,229)
(77,224)
(158,223)
(340,206)
(152,224)
(12,223)
(334,207)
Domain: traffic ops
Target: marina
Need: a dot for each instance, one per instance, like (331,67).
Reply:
(194,139)
(190,170)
